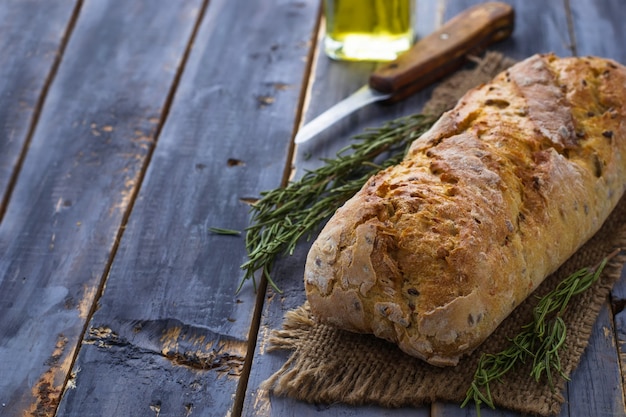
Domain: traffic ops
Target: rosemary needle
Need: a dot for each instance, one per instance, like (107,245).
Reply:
(284,215)
(539,340)
(222,231)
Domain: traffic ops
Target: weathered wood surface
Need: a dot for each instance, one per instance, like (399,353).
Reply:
(128,130)
(171,333)
(76,185)
(29,46)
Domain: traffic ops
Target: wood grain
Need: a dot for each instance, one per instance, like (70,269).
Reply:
(84,163)
(595,388)
(620,335)
(171,334)
(32,37)
(598,28)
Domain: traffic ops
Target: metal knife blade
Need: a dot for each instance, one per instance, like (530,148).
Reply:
(362,97)
(433,57)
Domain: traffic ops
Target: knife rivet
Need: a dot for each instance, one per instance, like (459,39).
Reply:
(444,36)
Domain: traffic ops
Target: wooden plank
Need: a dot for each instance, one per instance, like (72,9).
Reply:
(620,331)
(598,28)
(453,410)
(331,82)
(171,335)
(84,164)
(596,386)
(539,27)
(31,37)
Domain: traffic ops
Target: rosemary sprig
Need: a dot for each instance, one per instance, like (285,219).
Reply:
(539,340)
(284,215)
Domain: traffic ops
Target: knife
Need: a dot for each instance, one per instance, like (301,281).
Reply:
(433,57)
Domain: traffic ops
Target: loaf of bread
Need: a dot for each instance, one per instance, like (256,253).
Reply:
(433,253)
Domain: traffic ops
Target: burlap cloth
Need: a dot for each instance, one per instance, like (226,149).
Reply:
(333,366)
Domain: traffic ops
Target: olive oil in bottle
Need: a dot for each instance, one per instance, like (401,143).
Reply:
(368,30)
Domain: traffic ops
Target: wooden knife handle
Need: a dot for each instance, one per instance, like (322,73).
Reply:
(445,50)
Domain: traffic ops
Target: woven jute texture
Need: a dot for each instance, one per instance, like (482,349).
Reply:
(328,365)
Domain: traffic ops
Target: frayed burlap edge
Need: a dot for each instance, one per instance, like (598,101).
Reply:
(329,365)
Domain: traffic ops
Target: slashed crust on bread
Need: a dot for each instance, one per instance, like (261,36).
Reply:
(432,254)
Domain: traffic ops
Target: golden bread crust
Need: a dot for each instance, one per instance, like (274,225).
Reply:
(432,254)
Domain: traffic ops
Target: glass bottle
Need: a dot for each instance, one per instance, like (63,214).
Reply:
(368,30)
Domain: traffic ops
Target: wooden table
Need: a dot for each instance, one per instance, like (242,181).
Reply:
(129,128)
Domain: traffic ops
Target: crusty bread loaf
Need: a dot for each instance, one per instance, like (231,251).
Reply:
(434,253)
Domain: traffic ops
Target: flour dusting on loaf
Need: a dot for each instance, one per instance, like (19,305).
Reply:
(432,254)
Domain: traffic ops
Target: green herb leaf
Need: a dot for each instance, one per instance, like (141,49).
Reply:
(222,231)
(539,340)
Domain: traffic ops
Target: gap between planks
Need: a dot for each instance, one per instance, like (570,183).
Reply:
(135,192)
(242,386)
(570,28)
(39,106)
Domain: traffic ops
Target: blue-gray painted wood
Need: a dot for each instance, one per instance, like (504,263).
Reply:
(180,330)
(169,335)
(31,38)
(76,185)
(595,389)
